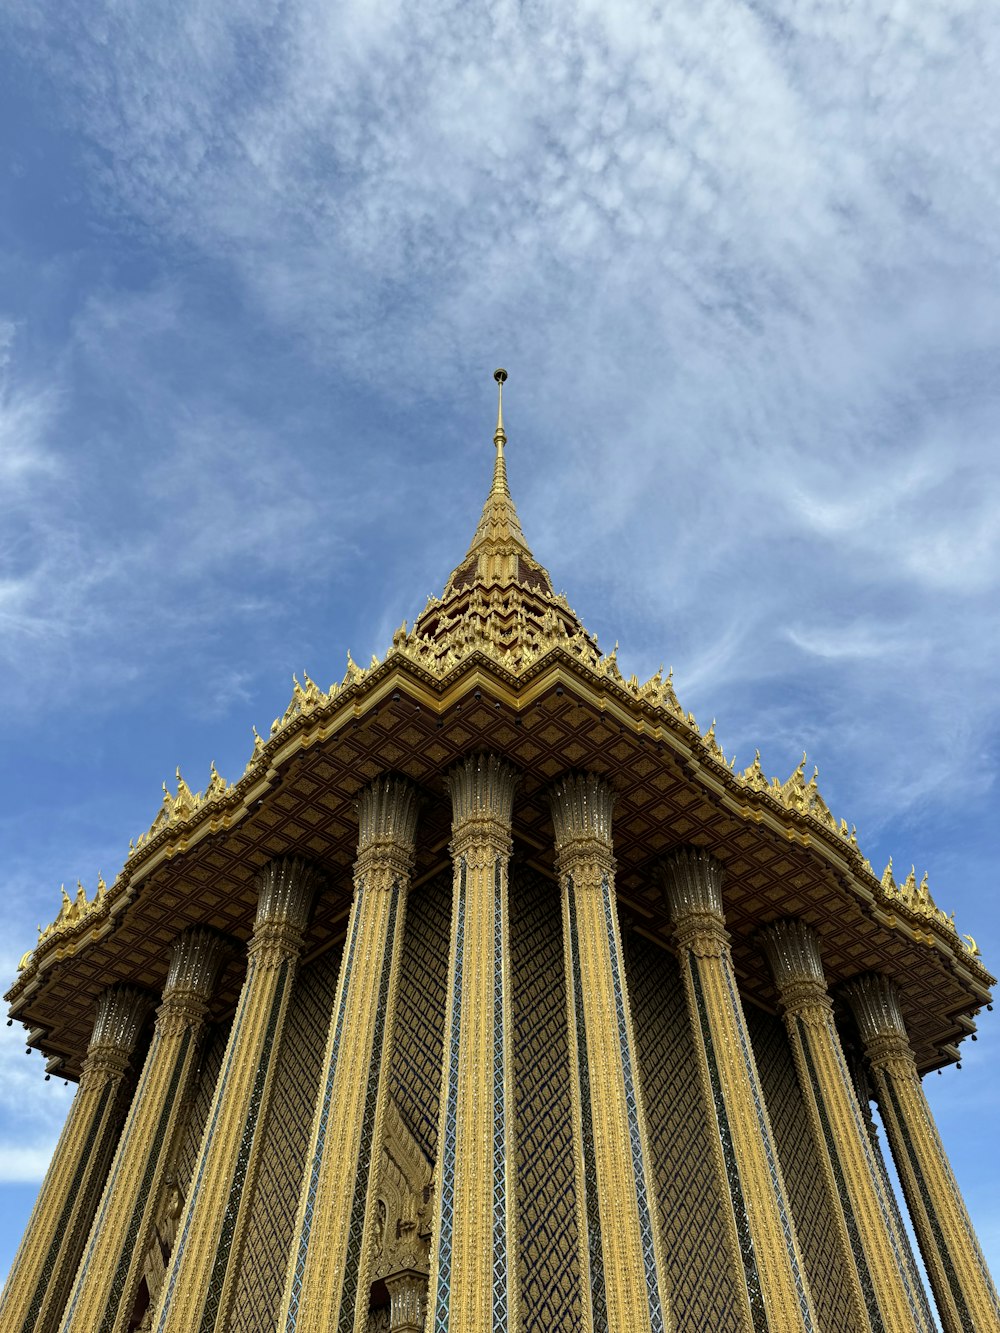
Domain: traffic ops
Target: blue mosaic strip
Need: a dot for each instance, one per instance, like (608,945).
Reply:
(237,1190)
(656,1320)
(599,1304)
(500,1273)
(446,1221)
(765,1134)
(955,1287)
(355,1234)
(219,1098)
(324,1120)
(72,1197)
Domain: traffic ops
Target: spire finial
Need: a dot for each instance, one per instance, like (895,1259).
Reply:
(500,437)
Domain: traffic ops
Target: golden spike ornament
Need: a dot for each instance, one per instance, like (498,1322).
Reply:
(499,435)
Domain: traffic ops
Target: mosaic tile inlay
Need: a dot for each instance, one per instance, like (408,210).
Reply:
(599,1304)
(446,1163)
(656,1319)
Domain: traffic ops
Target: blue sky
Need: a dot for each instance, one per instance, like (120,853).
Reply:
(257,264)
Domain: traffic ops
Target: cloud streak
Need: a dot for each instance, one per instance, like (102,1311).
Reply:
(738,259)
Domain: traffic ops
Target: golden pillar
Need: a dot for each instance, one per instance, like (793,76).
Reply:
(473,1279)
(198,1286)
(965,1295)
(874,1253)
(766,1247)
(46,1262)
(108,1278)
(620,1261)
(328,1280)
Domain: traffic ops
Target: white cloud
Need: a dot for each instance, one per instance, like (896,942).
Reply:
(734,261)
(32,1111)
(737,259)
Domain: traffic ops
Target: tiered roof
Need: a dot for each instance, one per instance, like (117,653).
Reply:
(500,660)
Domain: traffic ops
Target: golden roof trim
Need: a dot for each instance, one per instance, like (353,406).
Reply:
(795,805)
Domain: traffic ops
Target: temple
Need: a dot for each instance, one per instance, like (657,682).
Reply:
(491,996)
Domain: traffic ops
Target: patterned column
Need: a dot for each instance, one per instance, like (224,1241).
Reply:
(473,1280)
(199,1283)
(43,1271)
(777,1297)
(328,1282)
(861,1082)
(106,1284)
(965,1295)
(621,1265)
(874,1255)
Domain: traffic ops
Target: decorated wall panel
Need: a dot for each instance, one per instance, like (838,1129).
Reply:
(703,1294)
(549,1275)
(213,1049)
(178,1180)
(265,1255)
(803,1173)
(416,1065)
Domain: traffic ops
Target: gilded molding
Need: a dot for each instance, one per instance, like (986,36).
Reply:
(964,1292)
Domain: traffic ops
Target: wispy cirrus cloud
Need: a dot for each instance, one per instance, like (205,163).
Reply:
(737,258)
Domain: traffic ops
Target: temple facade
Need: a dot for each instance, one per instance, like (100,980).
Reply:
(493,997)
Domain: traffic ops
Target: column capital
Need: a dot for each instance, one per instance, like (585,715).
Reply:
(122,1011)
(196,959)
(793,952)
(692,887)
(387,820)
(481,787)
(286,888)
(408,1300)
(582,805)
(874,1001)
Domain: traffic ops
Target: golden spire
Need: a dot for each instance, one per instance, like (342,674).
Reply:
(499,532)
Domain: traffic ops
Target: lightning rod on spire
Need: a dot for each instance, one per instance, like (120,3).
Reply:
(499,437)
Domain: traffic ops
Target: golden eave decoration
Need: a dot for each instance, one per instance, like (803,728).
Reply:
(501,631)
